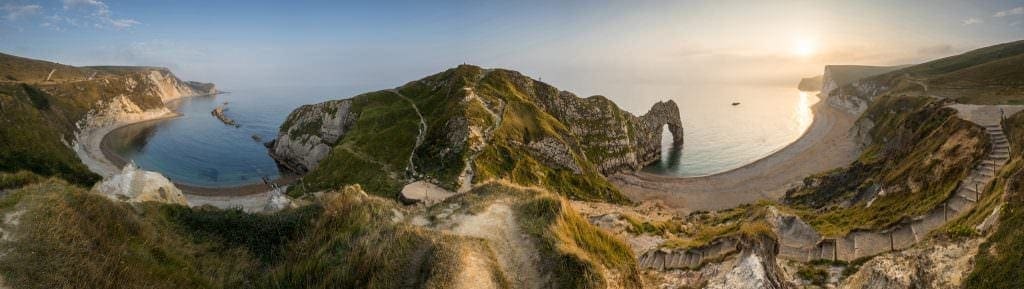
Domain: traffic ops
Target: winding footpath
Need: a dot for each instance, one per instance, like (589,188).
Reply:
(419,137)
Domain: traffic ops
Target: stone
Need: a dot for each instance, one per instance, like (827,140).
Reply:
(137,185)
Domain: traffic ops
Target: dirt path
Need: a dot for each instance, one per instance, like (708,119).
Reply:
(826,145)
(475,273)
(467,174)
(516,253)
(423,130)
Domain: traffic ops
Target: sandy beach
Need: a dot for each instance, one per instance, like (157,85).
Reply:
(90,141)
(825,145)
(111,158)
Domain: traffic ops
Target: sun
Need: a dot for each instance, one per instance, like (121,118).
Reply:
(804,47)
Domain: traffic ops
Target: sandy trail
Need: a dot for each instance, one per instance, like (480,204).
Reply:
(516,253)
(825,145)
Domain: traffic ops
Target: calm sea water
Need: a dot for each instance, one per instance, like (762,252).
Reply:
(720,137)
(198,149)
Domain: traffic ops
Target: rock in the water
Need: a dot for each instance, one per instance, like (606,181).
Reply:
(218,112)
(136,185)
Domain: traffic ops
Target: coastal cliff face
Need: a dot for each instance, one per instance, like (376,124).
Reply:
(468,125)
(309,132)
(47,108)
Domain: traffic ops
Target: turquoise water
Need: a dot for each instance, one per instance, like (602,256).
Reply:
(199,150)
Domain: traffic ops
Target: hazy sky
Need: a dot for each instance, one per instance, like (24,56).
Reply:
(611,48)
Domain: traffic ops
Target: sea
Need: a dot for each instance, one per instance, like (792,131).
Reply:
(199,150)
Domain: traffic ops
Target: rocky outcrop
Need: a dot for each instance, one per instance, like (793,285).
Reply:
(813,83)
(756,268)
(309,133)
(218,112)
(137,185)
(937,266)
(613,139)
(662,114)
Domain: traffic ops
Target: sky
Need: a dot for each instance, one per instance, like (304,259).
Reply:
(611,48)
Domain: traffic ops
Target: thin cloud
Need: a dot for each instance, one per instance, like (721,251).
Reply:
(971,21)
(100,14)
(1010,12)
(14,12)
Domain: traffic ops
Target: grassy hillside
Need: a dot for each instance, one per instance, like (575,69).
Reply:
(1000,258)
(486,119)
(967,59)
(38,118)
(920,152)
(65,237)
(989,75)
(33,134)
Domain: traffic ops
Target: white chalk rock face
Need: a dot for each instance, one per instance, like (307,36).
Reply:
(136,185)
(277,200)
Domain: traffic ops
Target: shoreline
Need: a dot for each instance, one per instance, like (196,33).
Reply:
(240,190)
(94,149)
(825,145)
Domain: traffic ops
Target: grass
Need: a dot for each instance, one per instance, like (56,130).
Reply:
(918,156)
(1001,256)
(573,249)
(745,220)
(373,153)
(814,274)
(32,139)
(69,237)
(377,149)
(262,235)
(345,239)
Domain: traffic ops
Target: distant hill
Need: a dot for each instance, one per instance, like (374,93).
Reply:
(812,83)
(44,105)
(839,75)
(989,75)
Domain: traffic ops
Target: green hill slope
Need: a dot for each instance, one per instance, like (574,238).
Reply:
(469,125)
(39,119)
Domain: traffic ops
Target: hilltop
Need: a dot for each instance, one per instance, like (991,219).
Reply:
(468,125)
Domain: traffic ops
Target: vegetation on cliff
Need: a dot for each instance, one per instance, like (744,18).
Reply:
(919,153)
(1001,257)
(42,104)
(469,124)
